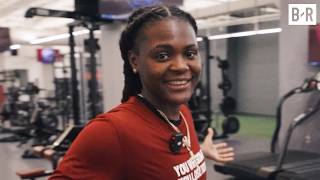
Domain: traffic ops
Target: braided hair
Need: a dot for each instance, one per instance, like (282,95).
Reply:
(139,18)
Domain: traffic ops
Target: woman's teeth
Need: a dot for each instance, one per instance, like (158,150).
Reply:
(177,83)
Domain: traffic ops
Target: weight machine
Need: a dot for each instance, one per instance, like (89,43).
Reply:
(91,23)
(200,102)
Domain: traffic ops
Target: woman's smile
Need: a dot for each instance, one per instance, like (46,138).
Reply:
(179,84)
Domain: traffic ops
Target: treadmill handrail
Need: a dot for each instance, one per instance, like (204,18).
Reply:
(278,116)
(308,85)
(296,121)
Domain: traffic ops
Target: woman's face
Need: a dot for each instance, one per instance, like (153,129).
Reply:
(168,61)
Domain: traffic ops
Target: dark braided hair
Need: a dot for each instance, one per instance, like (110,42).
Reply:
(139,18)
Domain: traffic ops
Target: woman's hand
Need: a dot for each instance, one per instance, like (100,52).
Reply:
(219,152)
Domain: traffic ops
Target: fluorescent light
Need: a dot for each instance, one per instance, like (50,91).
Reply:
(221,36)
(77,33)
(268,31)
(49,38)
(57,37)
(226,1)
(192,5)
(15,46)
(245,33)
(199,38)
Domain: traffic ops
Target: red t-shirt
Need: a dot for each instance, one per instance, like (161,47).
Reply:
(131,142)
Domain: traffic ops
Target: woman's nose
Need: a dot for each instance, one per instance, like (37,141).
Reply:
(179,64)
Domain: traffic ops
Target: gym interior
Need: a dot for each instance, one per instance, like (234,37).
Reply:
(60,66)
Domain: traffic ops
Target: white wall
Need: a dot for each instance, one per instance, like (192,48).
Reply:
(255,62)
(1,61)
(27,59)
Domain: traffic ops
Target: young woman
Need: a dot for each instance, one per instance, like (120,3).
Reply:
(151,134)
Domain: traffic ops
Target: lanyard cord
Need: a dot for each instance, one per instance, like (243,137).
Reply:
(186,139)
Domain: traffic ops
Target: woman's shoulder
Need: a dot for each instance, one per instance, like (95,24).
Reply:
(185,110)
(122,113)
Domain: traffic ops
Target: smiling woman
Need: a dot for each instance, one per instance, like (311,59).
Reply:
(151,134)
(168,64)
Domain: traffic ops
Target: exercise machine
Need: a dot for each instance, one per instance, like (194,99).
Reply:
(287,164)
(228,105)
(91,23)
(200,102)
(53,152)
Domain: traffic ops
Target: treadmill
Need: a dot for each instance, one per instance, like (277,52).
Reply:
(262,166)
(303,170)
(285,165)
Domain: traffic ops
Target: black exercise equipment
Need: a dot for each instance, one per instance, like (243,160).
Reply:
(33,174)
(31,119)
(225,85)
(285,165)
(63,98)
(200,102)
(89,21)
(52,152)
(95,97)
(9,108)
(74,81)
(309,84)
(230,125)
(65,139)
(223,65)
(93,85)
(268,165)
(260,165)
(228,104)
(36,11)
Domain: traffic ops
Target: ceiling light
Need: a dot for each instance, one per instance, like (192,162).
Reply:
(226,1)
(57,37)
(244,33)
(268,31)
(15,46)
(199,38)
(192,4)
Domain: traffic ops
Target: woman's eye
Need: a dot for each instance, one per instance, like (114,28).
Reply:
(162,56)
(191,54)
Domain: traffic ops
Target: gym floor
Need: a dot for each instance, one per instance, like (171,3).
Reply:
(254,135)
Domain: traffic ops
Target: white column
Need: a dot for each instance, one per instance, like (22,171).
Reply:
(1,61)
(112,65)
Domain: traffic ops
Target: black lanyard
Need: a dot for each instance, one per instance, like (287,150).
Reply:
(153,109)
(175,142)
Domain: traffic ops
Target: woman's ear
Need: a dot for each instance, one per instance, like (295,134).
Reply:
(133,60)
